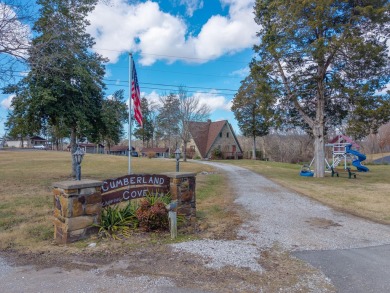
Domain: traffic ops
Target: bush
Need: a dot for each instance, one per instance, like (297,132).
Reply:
(216,154)
(117,222)
(152,214)
(151,155)
(148,213)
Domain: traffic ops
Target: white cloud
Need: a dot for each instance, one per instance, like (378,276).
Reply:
(385,89)
(192,5)
(243,72)
(153,97)
(156,35)
(6,103)
(213,100)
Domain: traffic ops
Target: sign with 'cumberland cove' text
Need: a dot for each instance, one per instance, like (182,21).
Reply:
(133,186)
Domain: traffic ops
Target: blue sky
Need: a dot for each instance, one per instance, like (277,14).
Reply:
(205,45)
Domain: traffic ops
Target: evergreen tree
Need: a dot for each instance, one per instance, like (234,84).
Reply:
(253,108)
(369,113)
(65,81)
(323,56)
(114,114)
(145,133)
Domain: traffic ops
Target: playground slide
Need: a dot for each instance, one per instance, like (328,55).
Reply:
(360,157)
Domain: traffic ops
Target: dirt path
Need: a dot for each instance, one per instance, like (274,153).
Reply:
(257,261)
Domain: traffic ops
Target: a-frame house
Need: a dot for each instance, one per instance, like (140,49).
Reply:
(208,136)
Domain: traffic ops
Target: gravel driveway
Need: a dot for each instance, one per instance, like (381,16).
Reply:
(277,217)
(293,222)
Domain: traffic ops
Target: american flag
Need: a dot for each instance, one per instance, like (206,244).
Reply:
(135,95)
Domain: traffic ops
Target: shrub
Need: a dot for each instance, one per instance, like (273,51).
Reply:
(117,222)
(151,155)
(152,214)
(216,154)
(149,213)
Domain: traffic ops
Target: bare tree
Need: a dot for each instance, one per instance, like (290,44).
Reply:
(14,36)
(190,110)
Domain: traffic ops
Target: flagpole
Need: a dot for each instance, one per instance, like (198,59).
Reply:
(130,94)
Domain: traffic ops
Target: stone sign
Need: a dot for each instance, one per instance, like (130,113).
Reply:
(133,186)
(78,204)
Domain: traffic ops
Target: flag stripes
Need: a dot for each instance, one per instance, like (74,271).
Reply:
(135,95)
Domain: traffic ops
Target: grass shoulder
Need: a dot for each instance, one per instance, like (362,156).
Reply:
(367,196)
(26,200)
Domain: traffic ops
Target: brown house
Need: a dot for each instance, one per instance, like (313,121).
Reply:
(158,152)
(213,140)
(90,148)
(121,150)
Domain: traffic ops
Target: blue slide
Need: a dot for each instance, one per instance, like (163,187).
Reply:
(360,157)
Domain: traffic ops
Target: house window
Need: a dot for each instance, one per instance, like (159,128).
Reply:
(220,134)
(227,134)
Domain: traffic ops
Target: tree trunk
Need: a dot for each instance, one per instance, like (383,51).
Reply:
(185,151)
(254,148)
(262,143)
(319,151)
(73,147)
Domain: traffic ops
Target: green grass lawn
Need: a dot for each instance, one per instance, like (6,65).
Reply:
(367,196)
(26,177)
(26,201)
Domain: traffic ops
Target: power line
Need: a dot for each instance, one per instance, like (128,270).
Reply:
(173,90)
(177,86)
(176,56)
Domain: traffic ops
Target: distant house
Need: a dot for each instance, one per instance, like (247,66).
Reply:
(91,148)
(27,142)
(211,138)
(159,152)
(120,150)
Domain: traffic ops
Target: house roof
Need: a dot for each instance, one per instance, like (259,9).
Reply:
(344,139)
(205,133)
(88,145)
(120,148)
(36,137)
(155,150)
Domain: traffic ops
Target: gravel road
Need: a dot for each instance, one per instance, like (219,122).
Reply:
(277,217)
(293,222)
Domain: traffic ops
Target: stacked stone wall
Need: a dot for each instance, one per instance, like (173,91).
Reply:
(77,209)
(78,205)
(182,189)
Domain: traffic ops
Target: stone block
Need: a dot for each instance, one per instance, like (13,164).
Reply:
(91,231)
(176,181)
(57,202)
(93,198)
(87,191)
(57,191)
(70,192)
(56,213)
(79,222)
(64,202)
(184,210)
(187,196)
(93,209)
(76,208)
(77,233)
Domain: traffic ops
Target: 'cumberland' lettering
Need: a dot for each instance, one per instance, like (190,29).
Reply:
(129,180)
(129,194)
